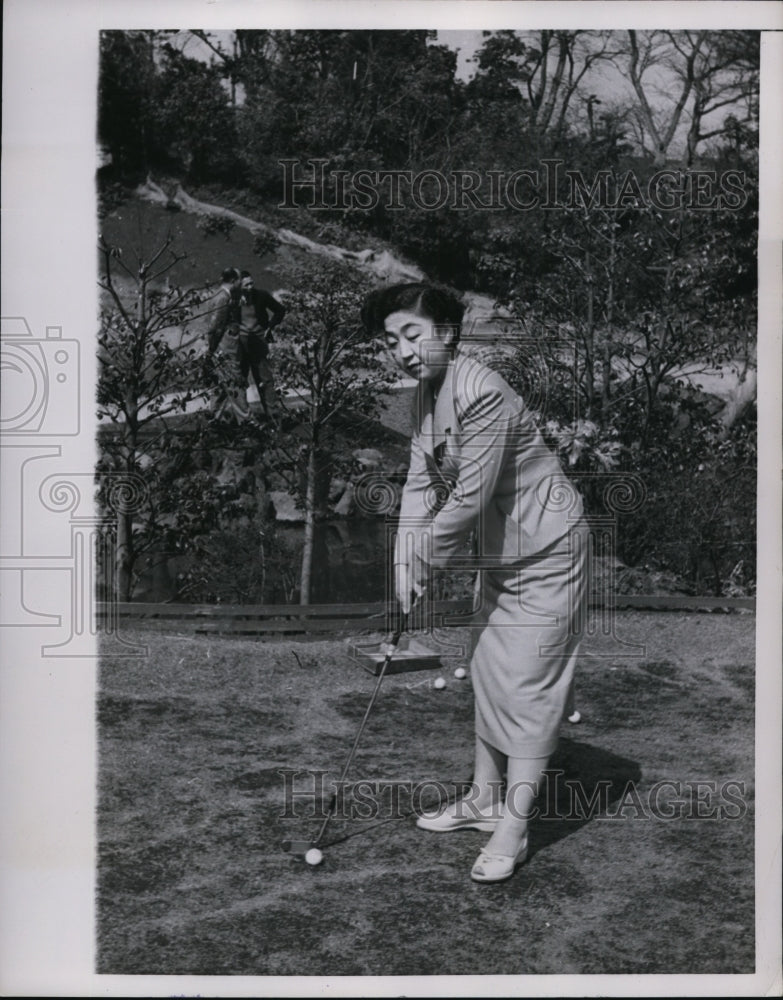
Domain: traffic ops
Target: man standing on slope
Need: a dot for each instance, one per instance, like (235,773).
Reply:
(224,329)
(255,335)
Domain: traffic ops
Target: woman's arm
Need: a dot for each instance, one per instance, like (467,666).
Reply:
(486,421)
(414,513)
(421,498)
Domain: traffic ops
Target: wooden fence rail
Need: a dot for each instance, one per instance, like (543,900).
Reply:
(263,618)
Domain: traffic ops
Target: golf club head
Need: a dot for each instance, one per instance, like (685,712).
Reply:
(298,847)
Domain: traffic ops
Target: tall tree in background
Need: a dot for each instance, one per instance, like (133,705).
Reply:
(126,98)
(326,363)
(713,70)
(159,109)
(728,78)
(194,119)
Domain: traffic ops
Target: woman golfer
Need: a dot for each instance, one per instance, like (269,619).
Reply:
(479,462)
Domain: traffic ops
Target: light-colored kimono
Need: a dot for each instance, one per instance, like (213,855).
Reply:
(479,461)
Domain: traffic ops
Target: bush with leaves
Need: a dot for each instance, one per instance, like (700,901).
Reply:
(240,560)
(698,518)
(210,225)
(265,243)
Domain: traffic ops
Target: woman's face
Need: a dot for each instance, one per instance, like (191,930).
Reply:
(420,351)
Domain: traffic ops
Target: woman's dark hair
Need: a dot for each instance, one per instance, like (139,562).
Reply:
(437,304)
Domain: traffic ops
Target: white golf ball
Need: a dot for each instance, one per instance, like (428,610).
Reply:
(439,683)
(575,717)
(460,672)
(314,856)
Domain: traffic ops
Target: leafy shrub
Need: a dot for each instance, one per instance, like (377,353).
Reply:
(211,225)
(246,564)
(265,243)
(111,195)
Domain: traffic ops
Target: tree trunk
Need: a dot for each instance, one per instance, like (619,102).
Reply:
(124,557)
(548,104)
(607,349)
(309,532)
(590,332)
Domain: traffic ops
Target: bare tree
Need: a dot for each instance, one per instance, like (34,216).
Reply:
(726,77)
(552,66)
(655,48)
(143,377)
(703,72)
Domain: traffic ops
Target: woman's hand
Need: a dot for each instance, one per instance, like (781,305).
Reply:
(408,589)
(403,587)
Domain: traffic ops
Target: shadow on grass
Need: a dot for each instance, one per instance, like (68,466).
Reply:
(583,781)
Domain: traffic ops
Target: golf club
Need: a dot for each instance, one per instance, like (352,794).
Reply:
(303,846)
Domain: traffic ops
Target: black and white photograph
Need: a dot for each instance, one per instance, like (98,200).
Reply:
(390,450)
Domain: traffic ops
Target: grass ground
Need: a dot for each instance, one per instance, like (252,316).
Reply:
(140,228)
(193,878)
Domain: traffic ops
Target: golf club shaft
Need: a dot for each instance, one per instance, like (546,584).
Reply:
(395,639)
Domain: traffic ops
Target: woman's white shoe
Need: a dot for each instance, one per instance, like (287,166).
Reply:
(491,867)
(445,823)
